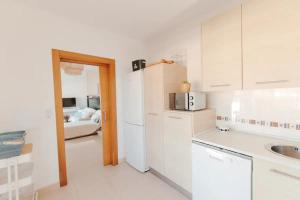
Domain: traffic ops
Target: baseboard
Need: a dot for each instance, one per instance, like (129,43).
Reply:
(49,188)
(122,160)
(172,184)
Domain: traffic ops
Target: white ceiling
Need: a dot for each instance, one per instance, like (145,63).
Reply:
(140,19)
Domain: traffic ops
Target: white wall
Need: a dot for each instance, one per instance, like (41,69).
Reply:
(273,112)
(75,86)
(183,45)
(82,85)
(182,42)
(93,86)
(27,101)
(236,109)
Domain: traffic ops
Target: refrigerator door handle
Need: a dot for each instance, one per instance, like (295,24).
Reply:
(134,124)
(154,114)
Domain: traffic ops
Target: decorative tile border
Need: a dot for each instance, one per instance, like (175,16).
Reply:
(262,123)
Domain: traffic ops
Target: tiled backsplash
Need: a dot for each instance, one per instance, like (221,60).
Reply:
(270,112)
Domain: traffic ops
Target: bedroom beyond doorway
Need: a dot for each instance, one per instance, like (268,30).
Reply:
(81,100)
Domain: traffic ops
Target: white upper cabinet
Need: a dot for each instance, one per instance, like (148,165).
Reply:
(271,43)
(222,52)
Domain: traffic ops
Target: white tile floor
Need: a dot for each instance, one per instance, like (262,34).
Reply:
(89,179)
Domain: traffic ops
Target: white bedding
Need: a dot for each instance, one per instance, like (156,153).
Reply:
(80,128)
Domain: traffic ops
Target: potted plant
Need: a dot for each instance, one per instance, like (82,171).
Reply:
(185,87)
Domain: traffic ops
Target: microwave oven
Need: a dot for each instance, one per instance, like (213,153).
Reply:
(191,101)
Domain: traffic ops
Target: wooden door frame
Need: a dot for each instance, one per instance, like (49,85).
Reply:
(110,144)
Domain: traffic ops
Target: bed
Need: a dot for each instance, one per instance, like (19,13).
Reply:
(81,128)
(83,122)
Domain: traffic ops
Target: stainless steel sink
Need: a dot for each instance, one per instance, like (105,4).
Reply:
(289,151)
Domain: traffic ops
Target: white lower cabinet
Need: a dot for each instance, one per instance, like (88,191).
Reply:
(178,130)
(178,159)
(155,141)
(169,142)
(275,182)
(220,175)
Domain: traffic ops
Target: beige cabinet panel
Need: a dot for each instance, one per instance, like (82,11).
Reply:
(159,81)
(154,89)
(271,43)
(274,181)
(174,75)
(177,137)
(222,52)
(155,141)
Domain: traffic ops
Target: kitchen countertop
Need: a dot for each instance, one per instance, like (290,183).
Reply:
(187,111)
(248,144)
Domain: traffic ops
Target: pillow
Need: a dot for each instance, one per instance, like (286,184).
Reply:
(87,113)
(74,118)
(66,118)
(96,116)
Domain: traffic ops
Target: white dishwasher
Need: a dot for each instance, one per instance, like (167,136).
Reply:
(219,174)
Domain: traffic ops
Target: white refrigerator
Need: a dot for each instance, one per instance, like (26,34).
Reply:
(134,129)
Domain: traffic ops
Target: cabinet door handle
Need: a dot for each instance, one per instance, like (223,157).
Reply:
(154,114)
(271,82)
(216,158)
(215,155)
(285,174)
(220,85)
(173,117)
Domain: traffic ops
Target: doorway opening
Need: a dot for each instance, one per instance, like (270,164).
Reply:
(107,108)
(82,118)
